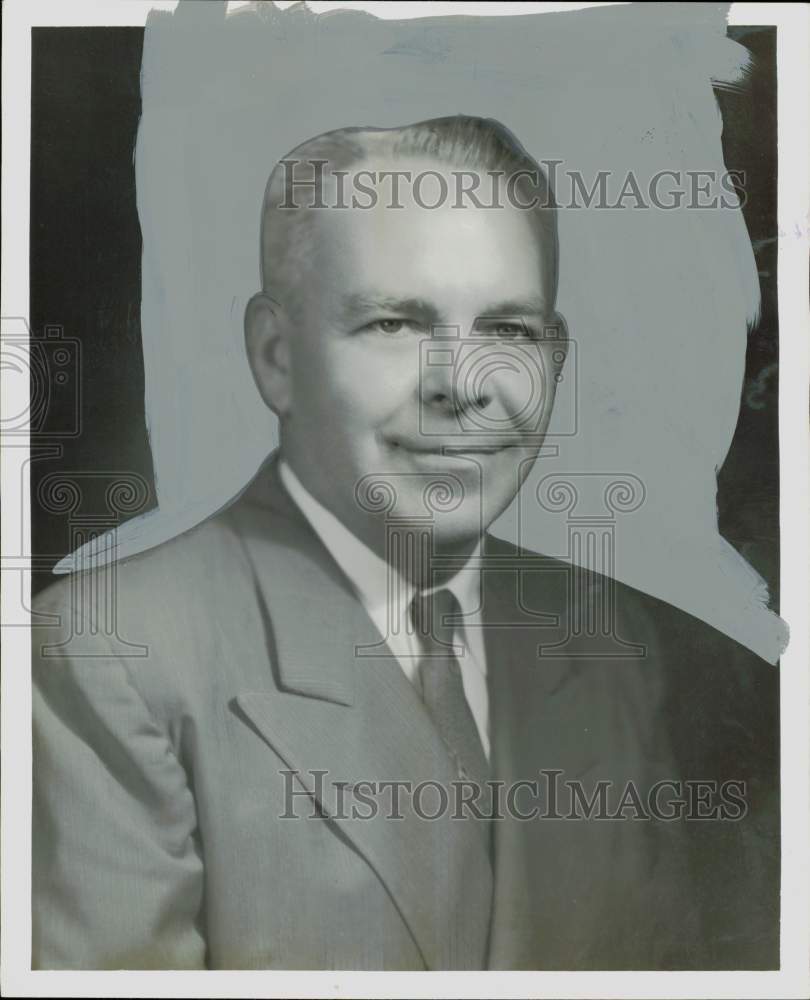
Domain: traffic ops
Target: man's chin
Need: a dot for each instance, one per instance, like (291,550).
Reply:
(430,551)
(458,531)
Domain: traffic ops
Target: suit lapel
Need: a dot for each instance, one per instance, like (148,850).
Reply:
(356,717)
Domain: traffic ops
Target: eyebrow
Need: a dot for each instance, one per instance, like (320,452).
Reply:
(535,305)
(364,302)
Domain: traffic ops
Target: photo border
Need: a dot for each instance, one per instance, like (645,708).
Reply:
(793,978)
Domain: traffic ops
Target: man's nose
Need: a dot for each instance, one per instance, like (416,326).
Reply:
(444,386)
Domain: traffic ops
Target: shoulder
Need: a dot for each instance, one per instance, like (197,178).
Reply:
(669,630)
(158,582)
(715,701)
(176,627)
(705,688)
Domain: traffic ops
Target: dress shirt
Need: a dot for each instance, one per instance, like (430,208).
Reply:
(387,600)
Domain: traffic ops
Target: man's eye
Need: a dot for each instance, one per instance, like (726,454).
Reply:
(506,329)
(510,330)
(390,327)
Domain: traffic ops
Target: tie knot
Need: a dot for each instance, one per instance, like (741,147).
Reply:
(434,618)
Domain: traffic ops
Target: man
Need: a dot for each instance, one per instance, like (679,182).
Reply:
(347,640)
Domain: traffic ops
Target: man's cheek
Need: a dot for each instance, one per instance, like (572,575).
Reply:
(523,394)
(371,395)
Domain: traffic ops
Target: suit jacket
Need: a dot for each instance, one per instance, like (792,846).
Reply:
(242,681)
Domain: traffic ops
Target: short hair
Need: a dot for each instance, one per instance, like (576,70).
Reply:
(460,141)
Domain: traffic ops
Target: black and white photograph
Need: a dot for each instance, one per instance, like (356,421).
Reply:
(405,475)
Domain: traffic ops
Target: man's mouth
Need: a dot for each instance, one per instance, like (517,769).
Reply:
(442,448)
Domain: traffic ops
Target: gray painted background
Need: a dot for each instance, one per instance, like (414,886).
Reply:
(658,302)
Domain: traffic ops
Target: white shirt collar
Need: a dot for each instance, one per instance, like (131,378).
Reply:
(367,572)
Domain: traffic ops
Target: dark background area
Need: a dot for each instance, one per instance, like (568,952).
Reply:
(85,275)
(748,483)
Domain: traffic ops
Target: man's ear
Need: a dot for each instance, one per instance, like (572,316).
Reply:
(268,352)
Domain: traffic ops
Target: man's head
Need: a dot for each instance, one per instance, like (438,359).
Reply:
(406,334)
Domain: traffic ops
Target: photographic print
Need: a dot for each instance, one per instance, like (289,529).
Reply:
(405,445)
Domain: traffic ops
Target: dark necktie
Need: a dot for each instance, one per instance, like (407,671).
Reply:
(443,689)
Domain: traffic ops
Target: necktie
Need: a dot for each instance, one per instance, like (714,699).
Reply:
(443,689)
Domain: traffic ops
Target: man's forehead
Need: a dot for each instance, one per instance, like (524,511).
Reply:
(403,228)
(423,205)
(426,265)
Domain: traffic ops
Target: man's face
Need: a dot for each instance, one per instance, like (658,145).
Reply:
(416,359)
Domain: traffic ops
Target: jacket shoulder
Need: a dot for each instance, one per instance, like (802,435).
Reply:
(160,580)
(646,616)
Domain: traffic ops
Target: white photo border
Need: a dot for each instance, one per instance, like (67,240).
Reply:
(792,980)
